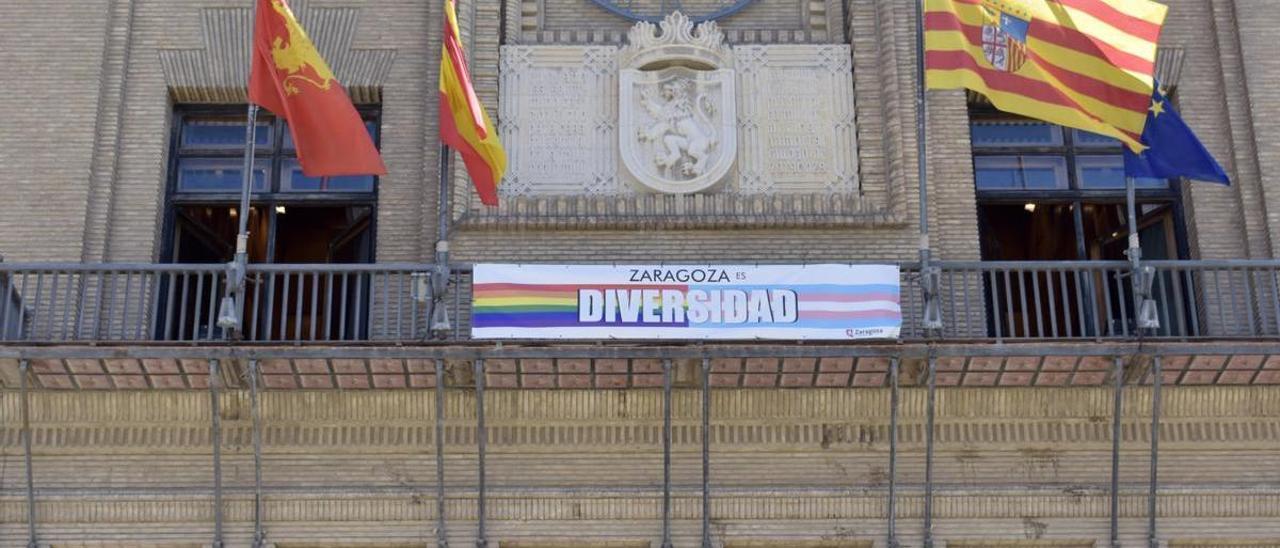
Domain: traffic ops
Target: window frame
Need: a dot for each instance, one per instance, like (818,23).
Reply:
(267,200)
(1074,193)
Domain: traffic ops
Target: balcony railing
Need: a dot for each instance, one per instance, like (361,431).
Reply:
(395,303)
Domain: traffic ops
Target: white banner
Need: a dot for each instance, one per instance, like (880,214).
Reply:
(812,302)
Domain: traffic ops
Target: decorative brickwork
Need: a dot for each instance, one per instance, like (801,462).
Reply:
(803,465)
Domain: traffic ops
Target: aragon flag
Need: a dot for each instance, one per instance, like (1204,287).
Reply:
(1085,64)
(464,125)
(292,80)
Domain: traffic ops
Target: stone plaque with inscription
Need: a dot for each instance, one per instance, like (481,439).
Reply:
(558,120)
(797,122)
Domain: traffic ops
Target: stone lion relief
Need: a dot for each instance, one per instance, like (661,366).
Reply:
(681,131)
(677,107)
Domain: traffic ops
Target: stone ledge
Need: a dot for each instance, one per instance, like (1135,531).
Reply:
(679,212)
(1244,366)
(571,507)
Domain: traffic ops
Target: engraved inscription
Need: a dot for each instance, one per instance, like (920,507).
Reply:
(796,118)
(558,133)
(799,127)
(559,119)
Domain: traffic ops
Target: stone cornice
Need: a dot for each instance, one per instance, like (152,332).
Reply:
(211,75)
(676,212)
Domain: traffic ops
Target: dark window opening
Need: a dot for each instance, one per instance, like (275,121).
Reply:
(293,219)
(1047,193)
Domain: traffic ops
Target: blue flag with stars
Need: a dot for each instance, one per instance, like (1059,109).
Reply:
(1173,149)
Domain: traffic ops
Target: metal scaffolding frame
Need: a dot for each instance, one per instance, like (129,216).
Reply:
(706,453)
(32,539)
(892,540)
(482,439)
(1157,379)
(666,453)
(215,434)
(414,303)
(442,537)
(930,412)
(928,355)
(1118,402)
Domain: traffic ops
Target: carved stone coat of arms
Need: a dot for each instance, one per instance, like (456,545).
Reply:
(677,126)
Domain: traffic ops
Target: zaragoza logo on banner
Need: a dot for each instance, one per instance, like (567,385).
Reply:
(815,302)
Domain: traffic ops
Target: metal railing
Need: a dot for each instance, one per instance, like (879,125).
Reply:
(395,303)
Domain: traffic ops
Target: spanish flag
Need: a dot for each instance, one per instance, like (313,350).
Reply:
(464,125)
(291,79)
(1086,64)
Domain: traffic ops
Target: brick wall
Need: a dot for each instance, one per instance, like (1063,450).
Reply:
(811,464)
(86,143)
(48,104)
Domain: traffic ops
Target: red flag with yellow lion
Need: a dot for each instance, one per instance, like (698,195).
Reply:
(292,80)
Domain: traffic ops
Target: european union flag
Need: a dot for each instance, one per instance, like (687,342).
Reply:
(1174,150)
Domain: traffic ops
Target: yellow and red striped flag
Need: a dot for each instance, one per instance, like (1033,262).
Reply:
(1086,64)
(464,125)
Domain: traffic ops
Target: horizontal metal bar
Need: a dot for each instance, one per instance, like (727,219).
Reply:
(109,267)
(492,351)
(339,268)
(468,267)
(373,308)
(245,493)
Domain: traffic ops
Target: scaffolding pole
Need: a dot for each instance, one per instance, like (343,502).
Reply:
(442,538)
(32,541)
(706,453)
(215,435)
(259,534)
(666,454)
(892,540)
(1157,379)
(482,438)
(1118,394)
(930,412)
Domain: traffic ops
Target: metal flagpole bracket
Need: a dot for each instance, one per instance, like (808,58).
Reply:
(931,283)
(1147,316)
(229,310)
(439,282)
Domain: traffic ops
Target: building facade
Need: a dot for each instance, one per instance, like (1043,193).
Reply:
(354,410)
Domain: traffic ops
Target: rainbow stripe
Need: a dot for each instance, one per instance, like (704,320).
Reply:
(540,305)
(821,306)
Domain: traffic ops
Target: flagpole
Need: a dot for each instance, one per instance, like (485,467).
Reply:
(442,231)
(1131,205)
(438,317)
(232,309)
(1145,314)
(922,114)
(930,277)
